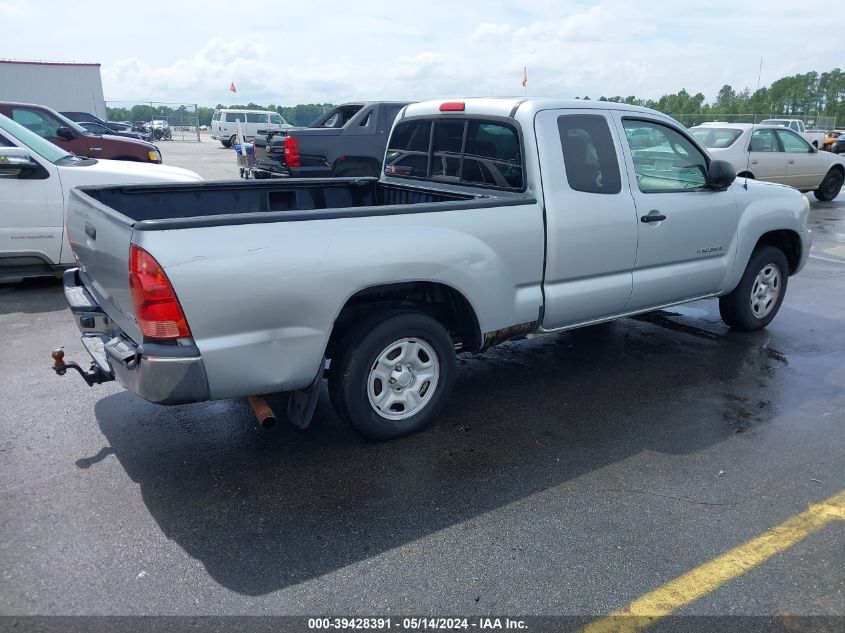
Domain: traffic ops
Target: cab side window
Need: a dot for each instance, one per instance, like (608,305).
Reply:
(256,118)
(39,122)
(664,159)
(589,155)
(792,142)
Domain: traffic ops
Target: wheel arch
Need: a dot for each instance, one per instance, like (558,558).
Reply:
(787,241)
(438,300)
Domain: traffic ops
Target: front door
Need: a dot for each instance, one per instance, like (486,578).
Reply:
(802,165)
(31,214)
(591,223)
(687,231)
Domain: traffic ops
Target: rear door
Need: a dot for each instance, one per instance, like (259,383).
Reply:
(591,224)
(766,159)
(803,169)
(687,232)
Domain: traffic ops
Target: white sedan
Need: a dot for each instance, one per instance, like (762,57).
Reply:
(774,154)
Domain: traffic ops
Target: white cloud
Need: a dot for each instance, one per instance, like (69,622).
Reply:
(489,31)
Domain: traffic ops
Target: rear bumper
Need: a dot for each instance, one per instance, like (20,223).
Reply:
(158,372)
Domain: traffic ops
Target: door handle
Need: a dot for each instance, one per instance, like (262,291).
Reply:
(791,162)
(653,216)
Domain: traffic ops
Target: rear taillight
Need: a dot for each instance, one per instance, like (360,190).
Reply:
(292,151)
(156,306)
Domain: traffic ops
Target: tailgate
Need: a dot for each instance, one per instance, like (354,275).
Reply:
(100,238)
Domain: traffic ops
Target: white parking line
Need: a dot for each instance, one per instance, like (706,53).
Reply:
(832,260)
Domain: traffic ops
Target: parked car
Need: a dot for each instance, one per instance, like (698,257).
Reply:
(99,130)
(36,177)
(81,117)
(228,289)
(74,138)
(774,154)
(830,139)
(346,141)
(224,124)
(839,148)
(813,137)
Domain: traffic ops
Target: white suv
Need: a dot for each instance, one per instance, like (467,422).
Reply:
(224,126)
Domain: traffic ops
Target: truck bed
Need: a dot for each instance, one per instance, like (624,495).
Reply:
(153,207)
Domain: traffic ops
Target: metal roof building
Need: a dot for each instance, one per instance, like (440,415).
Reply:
(58,85)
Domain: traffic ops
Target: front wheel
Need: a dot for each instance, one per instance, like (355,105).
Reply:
(831,185)
(393,375)
(756,300)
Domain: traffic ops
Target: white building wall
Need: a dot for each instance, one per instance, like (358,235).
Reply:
(63,87)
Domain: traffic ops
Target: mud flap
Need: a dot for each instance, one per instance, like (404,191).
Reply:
(297,406)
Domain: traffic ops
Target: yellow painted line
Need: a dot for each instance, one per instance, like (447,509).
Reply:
(708,577)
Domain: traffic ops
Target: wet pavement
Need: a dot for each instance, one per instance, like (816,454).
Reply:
(570,474)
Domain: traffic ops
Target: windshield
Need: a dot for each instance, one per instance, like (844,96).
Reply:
(40,146)
(716,137)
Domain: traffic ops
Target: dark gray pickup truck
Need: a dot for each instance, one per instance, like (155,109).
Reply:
(346,141)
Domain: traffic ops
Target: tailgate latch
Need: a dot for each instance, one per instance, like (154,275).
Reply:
(94,375)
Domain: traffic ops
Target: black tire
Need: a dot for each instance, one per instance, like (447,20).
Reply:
(226,144)
(736,307)
(831,185)
(233,140)
(349,376)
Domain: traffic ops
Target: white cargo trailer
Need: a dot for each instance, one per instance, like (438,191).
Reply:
(63,86)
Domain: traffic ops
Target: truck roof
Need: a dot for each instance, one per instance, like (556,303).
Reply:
(507,106)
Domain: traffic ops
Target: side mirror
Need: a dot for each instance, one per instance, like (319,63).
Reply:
(15,162)
(813,149)
(720,175)
(65,133)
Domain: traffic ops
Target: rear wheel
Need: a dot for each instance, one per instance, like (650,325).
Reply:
(831,185)
(226,144)
(756,300)
(393,375)
(233,140)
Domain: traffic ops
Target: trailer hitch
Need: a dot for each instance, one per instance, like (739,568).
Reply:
(94,375)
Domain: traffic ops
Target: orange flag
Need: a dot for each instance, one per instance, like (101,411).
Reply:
(524,76)
(233,89)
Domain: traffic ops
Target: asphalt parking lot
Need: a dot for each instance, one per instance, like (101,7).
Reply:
(571,473)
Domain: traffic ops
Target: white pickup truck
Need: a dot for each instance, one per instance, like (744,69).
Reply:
(492,219)
(36,177)
(813,137)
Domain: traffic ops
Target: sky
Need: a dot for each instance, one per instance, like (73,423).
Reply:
(287,53)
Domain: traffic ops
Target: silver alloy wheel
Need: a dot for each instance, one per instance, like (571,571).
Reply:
(403,378)
(765,291)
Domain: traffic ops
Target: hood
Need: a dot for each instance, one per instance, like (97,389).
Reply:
(115,172)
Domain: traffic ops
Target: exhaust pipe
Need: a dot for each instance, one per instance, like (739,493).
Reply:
(263,413)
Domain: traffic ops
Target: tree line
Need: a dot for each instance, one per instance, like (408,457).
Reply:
(820,96)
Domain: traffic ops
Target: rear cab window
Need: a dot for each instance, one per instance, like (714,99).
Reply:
(473,151)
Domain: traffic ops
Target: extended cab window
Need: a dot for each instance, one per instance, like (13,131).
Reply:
(664,159)
(478,152)
(256,118)
(589,154)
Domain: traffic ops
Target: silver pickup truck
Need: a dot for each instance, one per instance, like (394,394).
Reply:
(492,219)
